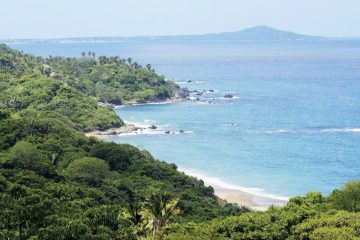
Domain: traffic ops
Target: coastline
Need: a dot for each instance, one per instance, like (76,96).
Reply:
(134,129)
(126,129)
(131,128)
(253,199)
(249,200)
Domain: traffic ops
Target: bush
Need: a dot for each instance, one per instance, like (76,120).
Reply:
(26,156)
(347,198)
(88,170)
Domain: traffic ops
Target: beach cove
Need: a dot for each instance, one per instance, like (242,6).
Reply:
(250,198)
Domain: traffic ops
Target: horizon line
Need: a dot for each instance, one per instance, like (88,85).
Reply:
(179,35)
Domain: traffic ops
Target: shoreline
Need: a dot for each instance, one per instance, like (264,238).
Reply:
(126,129)
(250,198)
(193,96)
(135,103)
(134,129)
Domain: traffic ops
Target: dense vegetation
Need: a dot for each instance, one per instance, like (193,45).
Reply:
(55,183)
(112,79)
(314,217)
(55,180)
(74,86)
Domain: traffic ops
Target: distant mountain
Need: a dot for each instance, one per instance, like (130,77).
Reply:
(262,33)
(259,33)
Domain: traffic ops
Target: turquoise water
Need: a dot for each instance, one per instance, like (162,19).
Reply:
(294,127)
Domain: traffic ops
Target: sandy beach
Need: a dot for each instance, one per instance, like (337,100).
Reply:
(249,200)
(253,199)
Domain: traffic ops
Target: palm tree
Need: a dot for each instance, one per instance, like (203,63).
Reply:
(129,61)
(136,65)
(93,55)
(83,54)
(148,67)
(135,215)
(32,127)
(102,60)
(161,207)
(116,59)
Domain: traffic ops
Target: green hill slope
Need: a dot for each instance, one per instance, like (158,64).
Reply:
(55,183)
(112,79)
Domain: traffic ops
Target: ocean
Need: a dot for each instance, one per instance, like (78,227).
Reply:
(293,125)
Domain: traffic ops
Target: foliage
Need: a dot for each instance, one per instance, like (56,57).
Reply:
(54,180)
(112,79)
(347,198)
(55,183)
(91,171)
(303,218)
(335,225)
(33,94)
(34,84)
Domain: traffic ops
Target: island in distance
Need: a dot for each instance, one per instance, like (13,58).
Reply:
(257,34)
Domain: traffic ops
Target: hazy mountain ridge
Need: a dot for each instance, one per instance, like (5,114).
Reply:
(263,33)
(259,33)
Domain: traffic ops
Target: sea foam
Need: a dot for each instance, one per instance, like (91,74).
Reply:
(314,130)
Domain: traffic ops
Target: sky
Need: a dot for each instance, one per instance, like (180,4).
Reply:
(86,18)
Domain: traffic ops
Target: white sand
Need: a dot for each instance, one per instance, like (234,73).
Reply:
(252,198)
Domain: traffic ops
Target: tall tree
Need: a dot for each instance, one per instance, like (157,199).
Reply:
(148,67)
(161,207)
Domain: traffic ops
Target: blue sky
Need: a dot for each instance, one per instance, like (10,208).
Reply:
(76,18)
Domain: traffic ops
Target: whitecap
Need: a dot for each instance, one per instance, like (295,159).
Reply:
(278,131)
(150,121)
(149,103)
(315,130)
(345,130)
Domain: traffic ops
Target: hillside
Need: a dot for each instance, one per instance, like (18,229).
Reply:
(107,79)
(55,183)
(27,90)
(73,87)
(112,79)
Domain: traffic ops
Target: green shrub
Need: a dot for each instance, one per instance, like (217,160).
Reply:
(91,171)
